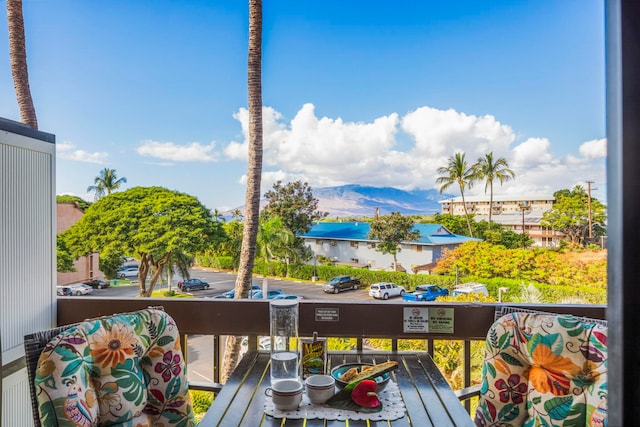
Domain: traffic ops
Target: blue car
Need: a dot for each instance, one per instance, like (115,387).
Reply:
(288,296)
(230,294)
(425,293)
(271,294)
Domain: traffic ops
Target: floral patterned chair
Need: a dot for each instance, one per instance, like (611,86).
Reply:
(121,370)
(544,370)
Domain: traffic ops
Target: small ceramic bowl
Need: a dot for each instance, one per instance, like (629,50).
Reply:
(339,370)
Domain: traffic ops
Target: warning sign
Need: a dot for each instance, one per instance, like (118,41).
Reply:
(441,320)
(416,320)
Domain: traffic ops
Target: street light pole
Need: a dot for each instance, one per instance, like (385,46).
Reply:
(500,291)
(523,207)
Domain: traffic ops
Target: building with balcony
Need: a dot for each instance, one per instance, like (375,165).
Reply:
(517,214)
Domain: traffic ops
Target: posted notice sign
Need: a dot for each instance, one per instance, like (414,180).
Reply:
(416,320)
(441,320)
(433,320)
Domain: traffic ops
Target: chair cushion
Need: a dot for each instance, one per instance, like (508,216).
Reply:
(122,370)
(544,370)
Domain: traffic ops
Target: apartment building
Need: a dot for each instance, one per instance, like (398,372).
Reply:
(516,213)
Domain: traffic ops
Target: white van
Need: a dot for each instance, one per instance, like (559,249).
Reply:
(470,288)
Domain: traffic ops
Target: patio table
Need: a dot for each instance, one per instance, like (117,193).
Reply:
(427,397)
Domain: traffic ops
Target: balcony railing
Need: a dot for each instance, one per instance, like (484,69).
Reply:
(341,319)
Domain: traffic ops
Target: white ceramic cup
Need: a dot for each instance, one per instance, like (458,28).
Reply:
(285,394)
(320,388)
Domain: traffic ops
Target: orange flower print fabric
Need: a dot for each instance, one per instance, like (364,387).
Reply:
(123,370)
(111,348)
(544,369)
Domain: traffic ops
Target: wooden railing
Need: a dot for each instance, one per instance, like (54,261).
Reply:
(342,319)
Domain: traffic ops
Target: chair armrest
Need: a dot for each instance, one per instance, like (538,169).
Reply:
(468,392)
(205,386)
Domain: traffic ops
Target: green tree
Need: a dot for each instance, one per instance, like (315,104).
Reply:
(106,183)
(457,172)
(570,214)
(153,223)
(489,170)
(217,216)
(295,204)
(18,56)
(64,259)
(80,202)
(391,230)
(254,177)
(274,241)
(454,223)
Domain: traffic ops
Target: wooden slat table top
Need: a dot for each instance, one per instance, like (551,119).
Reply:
(427,396)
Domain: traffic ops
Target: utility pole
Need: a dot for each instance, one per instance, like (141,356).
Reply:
(589,208)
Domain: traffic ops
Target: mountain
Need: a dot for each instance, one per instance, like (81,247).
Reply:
(358,200)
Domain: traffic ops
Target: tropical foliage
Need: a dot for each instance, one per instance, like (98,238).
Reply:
(106,183)
(489,170)
(154,224)
(458,172)
(391,230)
(78,201)
(570,214)
(295,204)
(64,259)
(493,233)
(484,260)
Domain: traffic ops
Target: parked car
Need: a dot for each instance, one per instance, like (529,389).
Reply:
(98,283)
(425,293)
(385,290)
(470,288)
(271,294)
(80,289)
(192,285)
(340,283)
(288,296)
(63,291)
(131,271)
(230,294)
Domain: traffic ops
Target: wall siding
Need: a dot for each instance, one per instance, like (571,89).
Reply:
(27,254)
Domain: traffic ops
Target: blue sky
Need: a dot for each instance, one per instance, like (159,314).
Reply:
(374,93)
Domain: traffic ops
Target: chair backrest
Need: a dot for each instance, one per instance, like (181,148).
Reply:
(33,346)
(541,369)
(125,369)
(506,309)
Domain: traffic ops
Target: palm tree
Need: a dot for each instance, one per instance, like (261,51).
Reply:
(236,213)
(274,240)
(458,172)
(18,55)
(217,215)
(485,168)
(254,176)
(106,182)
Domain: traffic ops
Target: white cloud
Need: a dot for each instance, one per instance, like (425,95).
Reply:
(194,152)
(66,150)
(328,151)
(594,149)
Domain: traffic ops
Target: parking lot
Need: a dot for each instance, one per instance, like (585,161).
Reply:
(220,282)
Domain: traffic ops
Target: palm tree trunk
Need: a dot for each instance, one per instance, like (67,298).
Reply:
(466,214)
(18,55)
(490,202)
(254,175)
